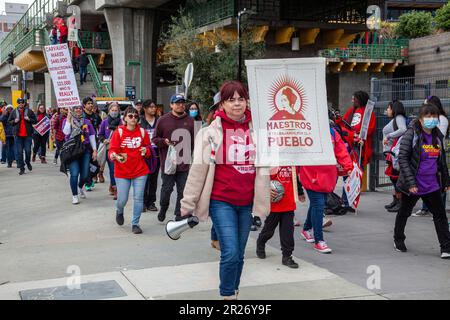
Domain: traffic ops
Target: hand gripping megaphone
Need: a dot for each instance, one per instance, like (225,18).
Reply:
(174,229)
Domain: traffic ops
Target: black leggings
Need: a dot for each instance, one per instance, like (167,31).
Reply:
(286,222)
(434,202)
(40,144)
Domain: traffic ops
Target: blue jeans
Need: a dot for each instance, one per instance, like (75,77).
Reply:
(111,172)
(79,170)
(9,151)
(83,74)
(314,220)
(23,144)
(123,189)
(232,225)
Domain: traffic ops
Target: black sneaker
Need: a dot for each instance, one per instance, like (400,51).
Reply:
(29,166)
(400,246)
(152,207)
(253,228)
(9,165)
(179,218)
(260,252)
(119,219)
(22,171)
(257,221)
(395,208)
(162,215)
(136,229)
(289,262)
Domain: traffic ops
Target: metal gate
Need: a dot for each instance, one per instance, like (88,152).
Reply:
(411,92)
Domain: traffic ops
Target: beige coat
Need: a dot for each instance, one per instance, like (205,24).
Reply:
(197,191)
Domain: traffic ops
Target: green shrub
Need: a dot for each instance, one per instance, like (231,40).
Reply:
(415,24)
(443,18)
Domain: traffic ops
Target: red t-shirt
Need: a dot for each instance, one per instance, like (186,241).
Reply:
(130,142)
(287,203)
(22,129)
(234,179)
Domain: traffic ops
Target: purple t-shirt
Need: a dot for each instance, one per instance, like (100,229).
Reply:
(426,177)
(87,131)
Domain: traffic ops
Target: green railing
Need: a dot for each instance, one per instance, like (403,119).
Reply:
(103,88)
(36,37)
(34,18)
(367,52)
(94,40)
(211,11)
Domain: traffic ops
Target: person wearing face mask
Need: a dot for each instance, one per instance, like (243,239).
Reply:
(107,127)
(73,125)
(443,127)
(423,174)
(194,111)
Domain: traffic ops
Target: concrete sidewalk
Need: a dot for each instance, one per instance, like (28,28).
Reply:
(43,234)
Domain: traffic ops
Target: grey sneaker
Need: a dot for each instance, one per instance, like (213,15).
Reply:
(445,255)
(422,213)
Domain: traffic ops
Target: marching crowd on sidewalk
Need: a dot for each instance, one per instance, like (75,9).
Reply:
(211,161)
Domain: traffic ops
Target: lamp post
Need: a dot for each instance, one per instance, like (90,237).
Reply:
(239,15)
(137,63)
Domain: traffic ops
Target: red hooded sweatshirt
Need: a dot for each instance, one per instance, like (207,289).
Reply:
(323,178)
(356,122)
(130,142)
(234,179)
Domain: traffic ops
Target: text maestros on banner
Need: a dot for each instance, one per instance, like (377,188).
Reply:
(59,64)
(289,112)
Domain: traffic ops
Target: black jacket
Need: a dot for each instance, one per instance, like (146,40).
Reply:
(83,60)
(8,128)
(28,124)
(409,158)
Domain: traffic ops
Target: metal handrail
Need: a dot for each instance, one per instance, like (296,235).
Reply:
(370,51)
(34,18)
(100,86)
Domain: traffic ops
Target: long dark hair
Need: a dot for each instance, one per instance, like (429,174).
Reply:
(398,109)
(429,109)
(362,97)
(41,105)
(437,102)
(129,110)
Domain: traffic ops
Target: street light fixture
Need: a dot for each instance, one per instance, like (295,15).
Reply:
(239,15)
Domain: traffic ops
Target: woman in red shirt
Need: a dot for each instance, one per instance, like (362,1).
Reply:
(129,146)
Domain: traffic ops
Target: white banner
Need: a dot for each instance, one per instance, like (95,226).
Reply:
(288,100)
(366,119)
(59,64)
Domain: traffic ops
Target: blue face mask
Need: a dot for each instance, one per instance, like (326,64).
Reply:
(193,113)
(430,123)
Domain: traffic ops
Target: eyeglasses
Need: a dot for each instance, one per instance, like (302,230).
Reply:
(131,116)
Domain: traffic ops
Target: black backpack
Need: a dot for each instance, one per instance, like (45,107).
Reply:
(72,149)
(334,205)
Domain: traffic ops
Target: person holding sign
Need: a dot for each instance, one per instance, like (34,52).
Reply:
(352,125)
(318,181)
(423,174)
(223,183)
(74,125)
(40,141)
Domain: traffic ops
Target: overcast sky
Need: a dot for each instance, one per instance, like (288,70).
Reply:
(2,3)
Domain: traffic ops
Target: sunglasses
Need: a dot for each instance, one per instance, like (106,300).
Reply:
(131,116)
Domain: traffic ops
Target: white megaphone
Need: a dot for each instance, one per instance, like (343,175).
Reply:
(174,229)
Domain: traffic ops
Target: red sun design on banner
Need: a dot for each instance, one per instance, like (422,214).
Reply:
(287,99)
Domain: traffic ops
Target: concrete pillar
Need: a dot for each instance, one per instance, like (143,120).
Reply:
(50,99)
(133,34)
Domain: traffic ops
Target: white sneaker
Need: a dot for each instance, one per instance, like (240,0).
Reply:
(75,200)
(422,213)
(445,255)
(81,193)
